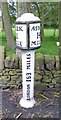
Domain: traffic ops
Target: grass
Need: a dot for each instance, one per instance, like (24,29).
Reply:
(3,42)
(48,46)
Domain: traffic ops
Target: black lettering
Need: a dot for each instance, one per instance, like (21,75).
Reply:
(20,43)
(16,35)
(38,35)
(28,77)
(28,80)
(35,28)
(28,55)
(28,92)
(38,42)
(38,27)
(34,42)
(19,28)
(28,62)
(28,66)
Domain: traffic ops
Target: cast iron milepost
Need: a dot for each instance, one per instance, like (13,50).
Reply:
(28,39)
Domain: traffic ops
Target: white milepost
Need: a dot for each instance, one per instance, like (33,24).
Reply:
(28,79)
(28,39)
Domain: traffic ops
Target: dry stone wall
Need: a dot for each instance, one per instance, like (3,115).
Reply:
(2,56)
(47,73)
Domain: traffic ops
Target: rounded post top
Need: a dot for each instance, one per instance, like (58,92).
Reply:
(27,17)
(28,32)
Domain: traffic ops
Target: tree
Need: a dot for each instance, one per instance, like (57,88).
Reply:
(18,8)
(52,17)
(59,12)
(60,22)
(47,12)
(7,25)
(12,11)
(25,7)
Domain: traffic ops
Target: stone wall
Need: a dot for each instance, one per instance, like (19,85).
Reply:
(2,56)
(47,73)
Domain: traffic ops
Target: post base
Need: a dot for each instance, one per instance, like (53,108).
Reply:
(27,103)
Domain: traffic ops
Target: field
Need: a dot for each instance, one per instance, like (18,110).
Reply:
(48,46)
